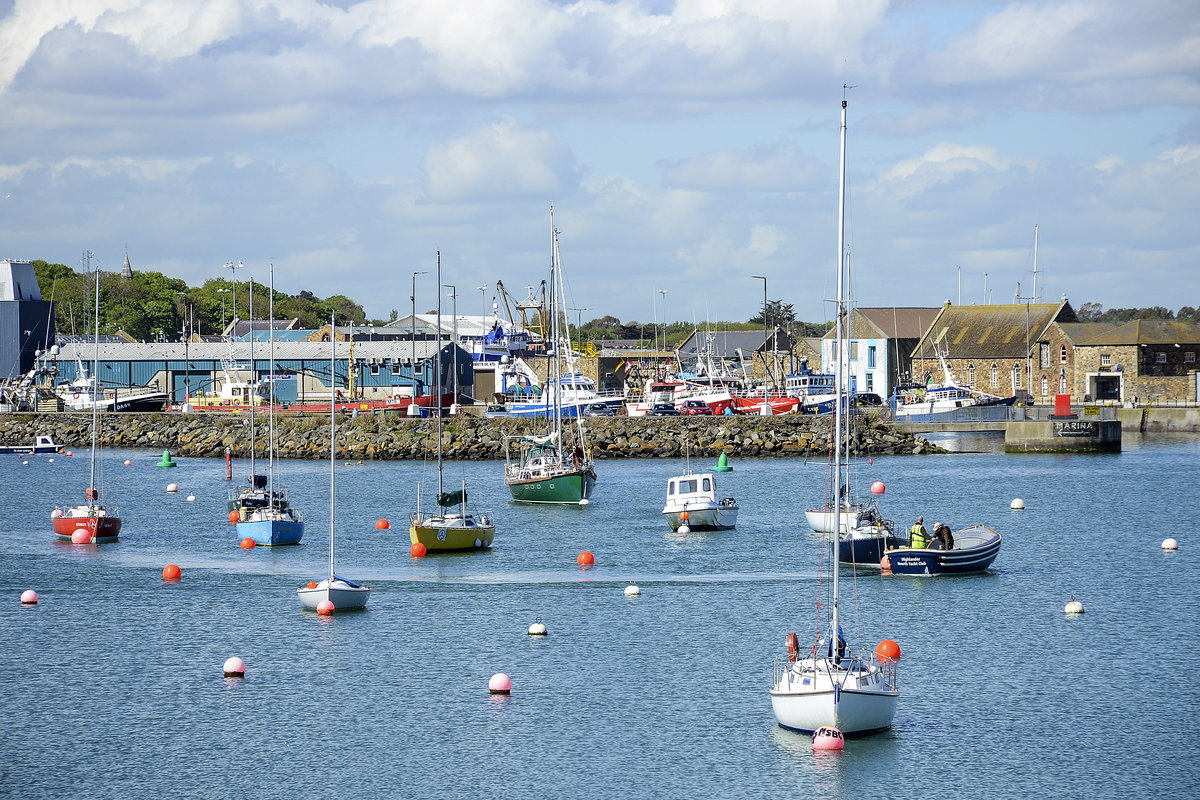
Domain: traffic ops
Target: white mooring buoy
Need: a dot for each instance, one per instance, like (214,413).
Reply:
(538,628)
(1017,504)
(1073,606)
(1170,544)
(632,590)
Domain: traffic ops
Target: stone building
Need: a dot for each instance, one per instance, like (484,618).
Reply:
(1056,361)
(1141,362)
(987,347)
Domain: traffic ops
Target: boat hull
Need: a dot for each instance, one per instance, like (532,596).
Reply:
(568,487)
(974,550)
(442,536)
(103,530)
(854,695)
(271,532)
(715,518)
(866,550)
(345,595)
(821,520)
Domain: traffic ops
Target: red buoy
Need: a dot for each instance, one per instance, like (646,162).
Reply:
(417,550)
(233,517)
(247,543)
(325,608)
(587,559)
(887,650)
(683,515)
(793,644)
(171,572)
(310,585)
(877,487)
(382,525)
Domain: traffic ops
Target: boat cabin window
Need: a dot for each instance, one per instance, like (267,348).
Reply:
(687,486)
(670,488)
(708,484)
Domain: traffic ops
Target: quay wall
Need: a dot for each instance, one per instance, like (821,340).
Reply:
(396,437)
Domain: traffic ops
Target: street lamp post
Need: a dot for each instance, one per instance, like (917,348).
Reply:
(764,315)
(222,292)
(235,268)
(454,351)
(663,292)
(412,333)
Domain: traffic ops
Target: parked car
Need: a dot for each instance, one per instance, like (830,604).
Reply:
(495,410)
(692,407)
(600,410)
(664,410)
(867,399)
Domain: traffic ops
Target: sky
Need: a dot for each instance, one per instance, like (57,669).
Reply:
(685,147)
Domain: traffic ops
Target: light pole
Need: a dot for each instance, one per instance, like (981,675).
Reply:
(454,351)
(412,333)
(235,268)
(222,292)
(764,280)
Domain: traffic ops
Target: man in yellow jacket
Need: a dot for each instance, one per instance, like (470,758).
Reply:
(917,536)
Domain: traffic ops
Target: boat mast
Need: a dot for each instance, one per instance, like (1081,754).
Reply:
(271,381)
(1035,249)
(251,388)
(437,379)
(332,427)
(838,377)
(555,384)
(96,395)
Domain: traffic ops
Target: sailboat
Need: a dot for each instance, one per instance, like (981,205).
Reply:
(265,514)
(100,521)
(547,468)
(445,529)
(833,684)
(345,594)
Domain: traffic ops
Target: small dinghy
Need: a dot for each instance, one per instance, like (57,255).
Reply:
(973,550)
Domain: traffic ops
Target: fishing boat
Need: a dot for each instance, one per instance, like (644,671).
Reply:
(814,390)
(692,503)
(82,394)
(554,467)
(265,513)
(345,594)
(42,444)
(951,395)
(102,522)
(833,684)
(447,529)
(972,549)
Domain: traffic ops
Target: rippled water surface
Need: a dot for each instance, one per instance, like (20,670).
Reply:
(112,685)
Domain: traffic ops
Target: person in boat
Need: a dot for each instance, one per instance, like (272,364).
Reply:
(944,537)
(918,537)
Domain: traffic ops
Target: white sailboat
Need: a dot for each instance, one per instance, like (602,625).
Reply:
(833,684)
(446,529)
(345,594)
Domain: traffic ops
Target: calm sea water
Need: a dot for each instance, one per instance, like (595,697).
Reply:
(112,685)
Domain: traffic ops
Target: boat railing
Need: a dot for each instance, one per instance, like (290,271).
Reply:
(1002,413)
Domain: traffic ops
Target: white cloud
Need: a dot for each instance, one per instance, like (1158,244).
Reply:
(497,160)
(941,164)
(776,168)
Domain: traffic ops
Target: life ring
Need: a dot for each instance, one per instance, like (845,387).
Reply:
(75,396)
(793,645)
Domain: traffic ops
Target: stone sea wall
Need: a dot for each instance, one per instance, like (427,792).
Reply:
(396,437)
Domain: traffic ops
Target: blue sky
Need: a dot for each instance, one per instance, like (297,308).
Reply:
(685,146)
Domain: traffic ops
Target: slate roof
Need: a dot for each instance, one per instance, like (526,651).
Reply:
(395,350)
(990,331)
(726,344)
(891,322)
(1077,332)
(1147,331)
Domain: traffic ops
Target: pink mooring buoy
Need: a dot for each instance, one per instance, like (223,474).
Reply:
(29,597)
(500,684)
(81,536)
(325,608)
(828,737)
(235,667)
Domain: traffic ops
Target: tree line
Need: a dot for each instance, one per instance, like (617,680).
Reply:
(1094,312)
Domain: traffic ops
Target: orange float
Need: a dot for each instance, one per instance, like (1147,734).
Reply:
(171,572)
(586,559)
(233,517)
(887,651)
(247,543)
(417,550)
(382,525)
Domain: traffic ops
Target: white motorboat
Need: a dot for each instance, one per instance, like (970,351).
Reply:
(345,594)
(831,684)
(692,502)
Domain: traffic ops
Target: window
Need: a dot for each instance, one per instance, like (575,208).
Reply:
(1045,385)
(1044,355)
(1161,358)
(374,368)
(670,488)
(854,351)
(1105,360)
(395,367)
(687,487)
(870,381)
(871,356)
(708,484)
(1189,358)
(1062,354)
(1016,380)
(971,374)
(1062,381)
(995,375)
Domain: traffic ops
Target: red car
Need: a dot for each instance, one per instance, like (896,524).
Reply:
(691,407)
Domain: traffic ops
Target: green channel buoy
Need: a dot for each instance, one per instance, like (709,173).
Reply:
(722,464)
(166,460)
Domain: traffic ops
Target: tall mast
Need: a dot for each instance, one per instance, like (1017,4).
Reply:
(839,376)
(332,426)
(1035,249)
(96,395)
(271,381)
(555,382)
(437,376)
(251,389)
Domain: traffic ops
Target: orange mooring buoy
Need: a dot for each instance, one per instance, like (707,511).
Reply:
(382,525)
(248,543)
(586,559)
(171,572)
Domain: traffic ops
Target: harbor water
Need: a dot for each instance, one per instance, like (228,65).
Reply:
(112,685)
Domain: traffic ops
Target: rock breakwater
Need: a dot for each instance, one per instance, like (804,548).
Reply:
(394,437)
